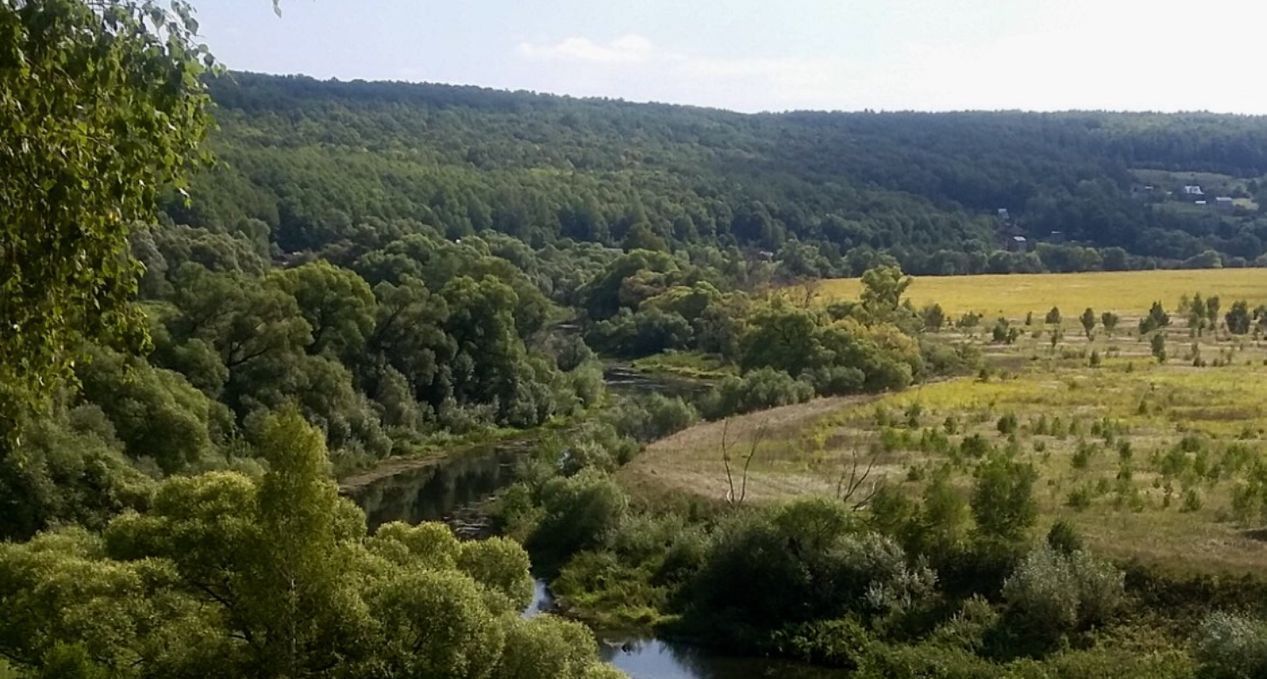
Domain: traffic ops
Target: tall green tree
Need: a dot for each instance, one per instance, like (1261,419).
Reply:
(337,303)
(225,575)
(882,289)
(102,109)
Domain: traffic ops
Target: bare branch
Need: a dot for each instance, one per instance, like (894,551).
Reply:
(725,459)
(851,481)
(752,452)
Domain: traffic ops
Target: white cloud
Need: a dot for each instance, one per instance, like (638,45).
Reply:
(632,66)
(628,49)
(1132,54)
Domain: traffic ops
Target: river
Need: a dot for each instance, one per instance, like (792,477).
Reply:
(452,491)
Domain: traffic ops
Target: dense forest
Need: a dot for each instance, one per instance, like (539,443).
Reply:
(322,163)
(195,352)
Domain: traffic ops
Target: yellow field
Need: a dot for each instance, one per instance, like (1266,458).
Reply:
(1128,293)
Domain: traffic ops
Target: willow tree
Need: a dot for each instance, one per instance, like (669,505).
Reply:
(103,109)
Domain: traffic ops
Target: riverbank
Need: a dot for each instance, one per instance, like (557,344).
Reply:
(458,487)
(395,466)
(618,378)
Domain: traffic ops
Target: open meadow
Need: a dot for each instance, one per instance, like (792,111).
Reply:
(1013,295)
(1157,462)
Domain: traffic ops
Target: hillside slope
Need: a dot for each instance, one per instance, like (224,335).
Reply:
(320,162)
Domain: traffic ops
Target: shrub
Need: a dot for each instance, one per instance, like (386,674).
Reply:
(969,626)
(1230,645)
(842,642)
(884,661)
(578,513)
(684,557)
(1007,424)
(1064,538)
(643,538)
(974,446)
(1191,501)
(607,589)
(1003,499)
(757,390)
(1052,593)
(943,358)
(809,565)
(933,316)
(595,444)
(587,383)
(641,333)
(1079,498)
(1082,455)
(836,380)
(514,512)
(652,417)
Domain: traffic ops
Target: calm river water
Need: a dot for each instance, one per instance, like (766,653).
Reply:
(452,490)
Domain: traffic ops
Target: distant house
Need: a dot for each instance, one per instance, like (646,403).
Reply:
(1192,190)
(1224,203)
(1017,244)
(1003,214)
(1199,202)
(1056,237)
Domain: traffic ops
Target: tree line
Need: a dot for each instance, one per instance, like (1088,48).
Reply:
(822,193)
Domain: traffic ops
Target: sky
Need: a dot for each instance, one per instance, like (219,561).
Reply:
(775,55)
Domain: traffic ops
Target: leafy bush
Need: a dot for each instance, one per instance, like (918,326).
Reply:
(967,629)
(1052,593)
(580,512)
(811,566)
(1064,538)
(514,512)
(66,472)
(1003,499)
(641,333)
(652,417)
(1008,424)
(836,380)
(757,390)
(595,444)
(842,642)
(943,358)
(611,591)
(1230,646)
(885,661)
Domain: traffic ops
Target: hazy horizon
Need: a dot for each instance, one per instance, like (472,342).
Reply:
(751,57)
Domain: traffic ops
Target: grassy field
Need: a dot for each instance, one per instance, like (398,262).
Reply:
(1161,463)
(1128,293)
(1147,463)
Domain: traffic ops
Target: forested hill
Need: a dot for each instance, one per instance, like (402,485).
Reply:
(323,163)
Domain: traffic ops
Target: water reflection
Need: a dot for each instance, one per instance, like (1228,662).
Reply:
(645,657)
(449,490)
(650,658)
(452,490)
